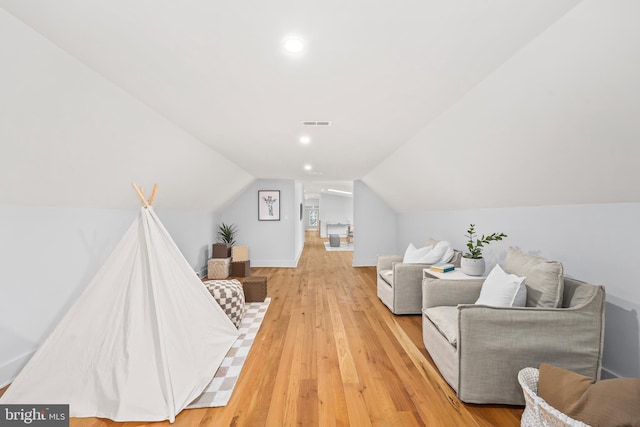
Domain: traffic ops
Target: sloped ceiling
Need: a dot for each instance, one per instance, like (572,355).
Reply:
(556,124)
(173,77)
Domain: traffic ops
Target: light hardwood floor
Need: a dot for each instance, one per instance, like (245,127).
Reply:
(329,353)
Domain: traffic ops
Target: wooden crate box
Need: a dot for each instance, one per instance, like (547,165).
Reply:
(240,253)
(220,250)
(240,268)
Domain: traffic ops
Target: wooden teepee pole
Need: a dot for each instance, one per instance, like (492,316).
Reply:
(153,194)
(140,192)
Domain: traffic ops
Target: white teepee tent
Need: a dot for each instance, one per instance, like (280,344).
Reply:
(141,342)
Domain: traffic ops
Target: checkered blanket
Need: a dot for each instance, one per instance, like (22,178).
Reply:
(219,390)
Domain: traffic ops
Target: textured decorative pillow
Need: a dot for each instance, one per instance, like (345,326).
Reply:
(607,403)
(415,256)
(544,278)
(502,289)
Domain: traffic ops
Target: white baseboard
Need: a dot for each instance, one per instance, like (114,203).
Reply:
(10,370)
(363,262)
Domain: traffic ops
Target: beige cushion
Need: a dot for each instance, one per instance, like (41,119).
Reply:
(544,278)
(445,318)
(387,276)
(614,402)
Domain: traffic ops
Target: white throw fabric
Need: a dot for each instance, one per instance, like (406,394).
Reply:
(414,255)
(441,252)
(142,341)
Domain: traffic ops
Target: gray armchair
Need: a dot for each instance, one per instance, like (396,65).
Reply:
(479,349)
(400,285)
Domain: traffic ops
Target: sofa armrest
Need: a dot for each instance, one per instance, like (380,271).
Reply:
(403,273)
(385,262)
(496,342)
(407,288)
(437,292)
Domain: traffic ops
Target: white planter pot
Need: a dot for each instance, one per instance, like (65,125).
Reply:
(472,267)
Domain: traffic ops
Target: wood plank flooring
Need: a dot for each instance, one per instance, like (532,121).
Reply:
(329,353)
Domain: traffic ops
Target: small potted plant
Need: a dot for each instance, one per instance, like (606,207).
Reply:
(226,238)
(472,262)
(227,234)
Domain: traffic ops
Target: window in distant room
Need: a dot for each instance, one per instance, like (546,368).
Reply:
(313,218)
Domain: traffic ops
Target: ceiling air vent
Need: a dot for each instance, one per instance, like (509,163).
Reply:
(316,123)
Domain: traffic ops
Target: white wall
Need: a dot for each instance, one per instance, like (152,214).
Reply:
(557,123)
(271,243)
(48,255)
(375,229)
(194,233)
(595,243)
(333,210)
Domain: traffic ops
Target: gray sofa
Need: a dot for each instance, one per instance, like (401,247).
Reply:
(399,285)
(479,349)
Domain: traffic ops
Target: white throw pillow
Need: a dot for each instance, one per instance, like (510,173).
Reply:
(441,252)
(415,256)
(502,289)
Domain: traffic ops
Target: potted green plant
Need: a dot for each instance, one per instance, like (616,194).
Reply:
(227,234)
(226,239)
(472,262)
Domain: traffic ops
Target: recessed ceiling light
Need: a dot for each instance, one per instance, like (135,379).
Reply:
(307,167)
(293,45)
(305,139)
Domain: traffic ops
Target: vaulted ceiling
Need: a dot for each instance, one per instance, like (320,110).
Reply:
(422,96)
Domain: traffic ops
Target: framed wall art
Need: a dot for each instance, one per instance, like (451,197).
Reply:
(269,205)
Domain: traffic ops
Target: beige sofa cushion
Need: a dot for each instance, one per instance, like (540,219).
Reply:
(445,318)
(544,278)
(387,276)
(613,402)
